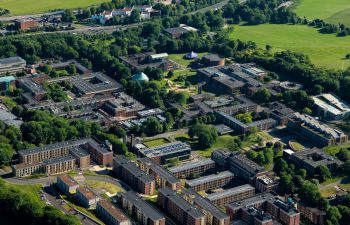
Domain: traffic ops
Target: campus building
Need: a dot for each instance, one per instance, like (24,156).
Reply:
(220,157)
(314,215)
(280,113)
(319,133)
(330,107)
(161,175)
(140,210)
(110,214)
(311,159)
(81,156)
(266,183)
(213,215)
(26,24)
(58,165)
(6,83)
(133,176)
(210,182)
(162,153)
(193,168)
(263,209)
(12,65)
(86,197)
(67,184)
(181,210)
(241,127)
(245,168)
(230,195)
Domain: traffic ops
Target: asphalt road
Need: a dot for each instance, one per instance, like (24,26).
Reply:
(10,18)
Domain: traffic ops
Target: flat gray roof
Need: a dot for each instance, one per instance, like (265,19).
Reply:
(210,178)
(231,191)
(59,159)
(190,165)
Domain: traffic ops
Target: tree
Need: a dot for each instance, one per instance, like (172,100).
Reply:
(323,172)
(286,185)
(333,215)
(206,134)
(6,154)
(262,95)
(68,16)
(152,126)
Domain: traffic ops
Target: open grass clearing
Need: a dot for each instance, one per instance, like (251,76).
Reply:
(179,58)
(109,187)
(324,50)
(22,7)
(333,11)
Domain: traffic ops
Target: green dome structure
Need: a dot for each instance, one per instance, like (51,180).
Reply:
(140,76)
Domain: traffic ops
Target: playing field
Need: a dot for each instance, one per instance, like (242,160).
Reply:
(333,11)
(21,7)
(324,49)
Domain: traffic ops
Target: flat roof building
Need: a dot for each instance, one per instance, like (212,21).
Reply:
(214,216)
(230,195)
(133,176)
(67,184)
(176,206)
(162,176)
(162,153)
(330,107)
(110,214)
(310,159)
(198,167)
(12,65)
(140,210)
(210,182)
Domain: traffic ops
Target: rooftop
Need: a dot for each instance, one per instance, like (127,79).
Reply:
(11,60)
(190,165)
(78,151)
(87,192)
(7,79)
(166,149)
(331,103)
(113,210)
(68,180)
(316,157)
(209,178)
(249,202)
(160,170)
(133,169)
(231,191)
(246,163)
(58,160)
(181,202)
(204,204)
(142,205)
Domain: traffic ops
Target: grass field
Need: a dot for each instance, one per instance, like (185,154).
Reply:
(111,188)
(21,7)
(179,58)
(333,11)
(156,142)
(325,50)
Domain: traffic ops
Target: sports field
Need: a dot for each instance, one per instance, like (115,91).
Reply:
(333,11)
(22,7)
(324,49)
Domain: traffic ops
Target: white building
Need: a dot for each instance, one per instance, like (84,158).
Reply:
(330,107)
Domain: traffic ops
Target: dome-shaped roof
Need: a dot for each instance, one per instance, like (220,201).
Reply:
(140,76)
(191,55)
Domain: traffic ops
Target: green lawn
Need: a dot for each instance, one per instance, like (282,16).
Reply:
(333,11)
(179,58)
(325,50)
(156,142)
(111,188)
(296,146)
(21,7)
(31,189)
(334,149)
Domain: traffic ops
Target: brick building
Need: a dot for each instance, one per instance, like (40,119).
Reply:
(67,184)
(110,214)
(198,167)
(26,24)
(213,181)
(176,206)
(86,197)
(161,175)
(133,176)
(59,165)
(140,210)
(230,195)
(213,215)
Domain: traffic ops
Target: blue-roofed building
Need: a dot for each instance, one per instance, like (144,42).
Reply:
(6,82)
(140,77)
(191,55)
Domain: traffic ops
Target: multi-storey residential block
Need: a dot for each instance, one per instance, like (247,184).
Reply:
(110,214)
(311,159)
(23,169)
(319,133)
(67,184)
(161,154)
(280,113)
(285,213)
(210,182)
(161,175)
(140,210)
(193,168)
(12,65)
(87,197)
(314,215)
(176,206)
(230,195)
(81,156)
(134,176)
(266,183)
(213,215)
(245,168)
(59,165)
(220,157)
(26,24)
